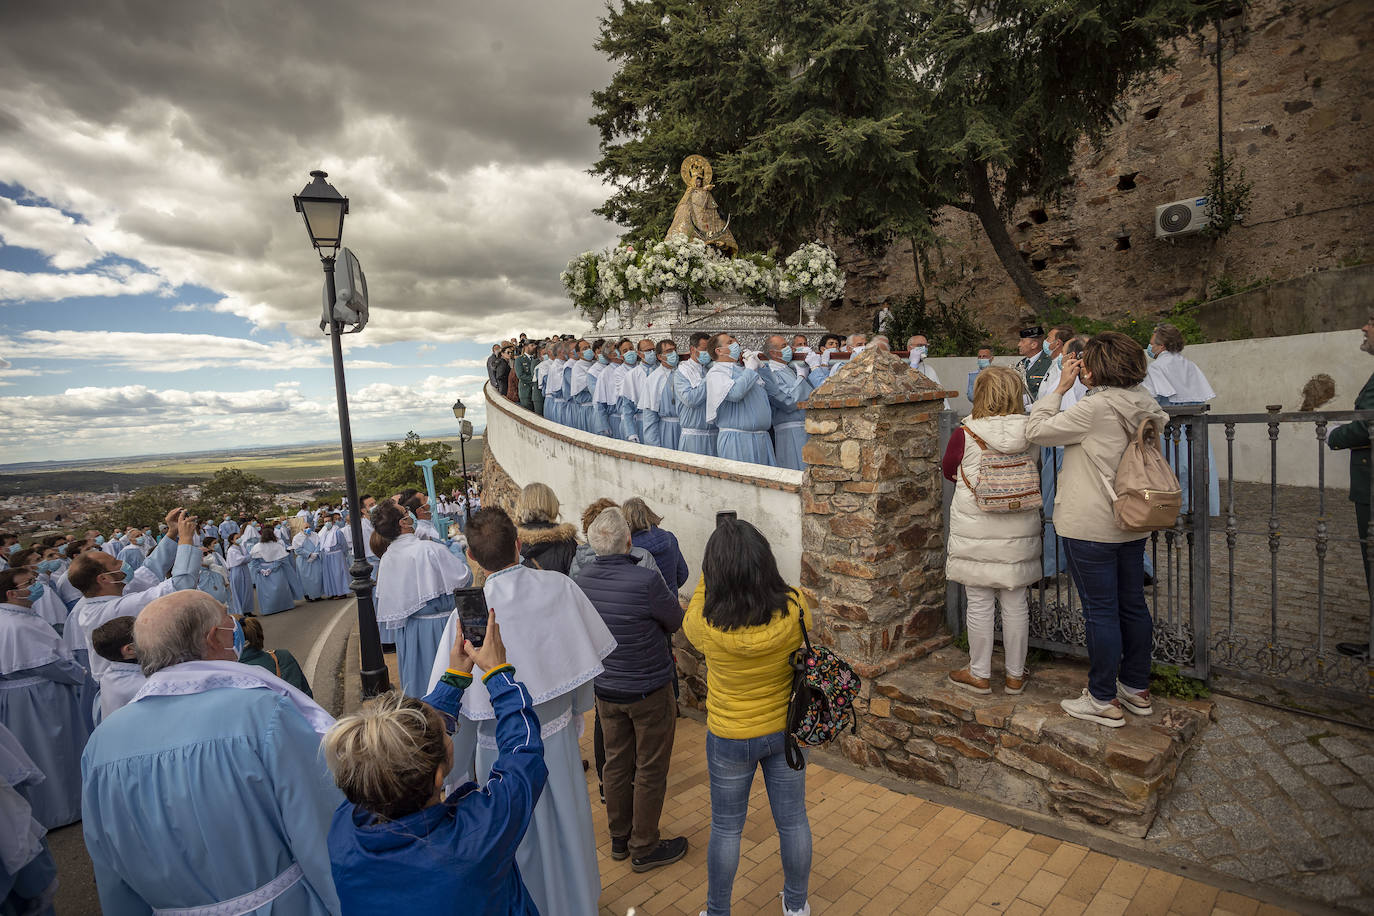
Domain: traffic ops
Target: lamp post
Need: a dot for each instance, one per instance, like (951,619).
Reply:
(464,434)
(323,210)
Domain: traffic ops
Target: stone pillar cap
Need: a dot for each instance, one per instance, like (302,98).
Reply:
(875,377)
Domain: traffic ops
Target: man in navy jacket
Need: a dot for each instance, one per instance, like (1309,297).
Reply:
(634,697)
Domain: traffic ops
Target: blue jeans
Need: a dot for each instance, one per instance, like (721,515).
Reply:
(1111,582)
(730,763)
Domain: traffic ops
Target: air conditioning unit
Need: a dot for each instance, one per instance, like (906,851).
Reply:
(1182,217)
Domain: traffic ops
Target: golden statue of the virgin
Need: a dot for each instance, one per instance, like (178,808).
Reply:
(697,216)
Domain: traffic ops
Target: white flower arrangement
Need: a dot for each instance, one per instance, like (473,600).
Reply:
(581,279)
(811,270)
(599,281)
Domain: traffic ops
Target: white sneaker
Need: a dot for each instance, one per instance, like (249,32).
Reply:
(1087,708)
(1137,701)
(804,911)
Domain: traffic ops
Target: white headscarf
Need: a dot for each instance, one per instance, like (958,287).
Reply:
(554,637)
(413,573)
(268,551)
(1178,379)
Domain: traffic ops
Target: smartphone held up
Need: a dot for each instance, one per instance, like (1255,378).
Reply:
(472,614)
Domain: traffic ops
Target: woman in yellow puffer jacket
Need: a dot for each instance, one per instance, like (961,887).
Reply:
(743,618)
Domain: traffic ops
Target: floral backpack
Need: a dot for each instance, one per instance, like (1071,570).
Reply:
(1007,482)
(822,704)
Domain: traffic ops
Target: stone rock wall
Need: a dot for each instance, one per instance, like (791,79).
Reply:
(497,487)
(1299,109)
(872,542)
(1023,750)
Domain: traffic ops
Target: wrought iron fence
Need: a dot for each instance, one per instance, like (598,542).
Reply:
(1221,608)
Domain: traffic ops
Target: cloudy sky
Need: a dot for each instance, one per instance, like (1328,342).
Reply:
(157,290)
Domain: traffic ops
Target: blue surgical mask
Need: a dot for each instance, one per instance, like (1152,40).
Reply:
(670,360)
(414,522)
(127,570)
(920,352)
(650,358)
(984,363)
(734,350)
(310,531)
(704,358)
(630,357)
(587,353)
(14,548)
(62,549)
(238,638)
(99,539)
(35,590)
(49,566)
(601,358)
(787,354)
(1150,350)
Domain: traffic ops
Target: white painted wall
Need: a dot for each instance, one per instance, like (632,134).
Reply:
(1247,375)
(688,501)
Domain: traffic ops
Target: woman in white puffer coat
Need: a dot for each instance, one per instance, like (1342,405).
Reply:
(995,555)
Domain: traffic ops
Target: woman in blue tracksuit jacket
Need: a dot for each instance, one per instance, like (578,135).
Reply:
(397,840)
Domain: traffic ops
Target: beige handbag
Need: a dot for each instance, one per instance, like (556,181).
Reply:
(1147,495)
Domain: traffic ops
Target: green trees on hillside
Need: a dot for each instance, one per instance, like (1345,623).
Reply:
(235,492)
(394,469)
(861,118)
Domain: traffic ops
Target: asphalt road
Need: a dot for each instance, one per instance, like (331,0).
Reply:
(300,630)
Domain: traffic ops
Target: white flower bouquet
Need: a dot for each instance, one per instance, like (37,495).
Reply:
(811,271)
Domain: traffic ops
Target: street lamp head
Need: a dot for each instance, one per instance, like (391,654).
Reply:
(459,411)
(323,209)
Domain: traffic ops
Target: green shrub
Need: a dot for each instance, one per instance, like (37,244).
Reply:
(1166,681)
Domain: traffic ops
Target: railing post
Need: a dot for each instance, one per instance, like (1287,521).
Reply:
(1200,472)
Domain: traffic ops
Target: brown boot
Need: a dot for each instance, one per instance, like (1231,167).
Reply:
(964,679)
(1015,685)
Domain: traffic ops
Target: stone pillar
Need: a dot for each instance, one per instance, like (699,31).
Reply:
(872,541)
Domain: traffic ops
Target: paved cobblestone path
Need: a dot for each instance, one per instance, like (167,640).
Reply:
(1278,798)
(878,852)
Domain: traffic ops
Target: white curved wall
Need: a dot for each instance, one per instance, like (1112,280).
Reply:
(687,490)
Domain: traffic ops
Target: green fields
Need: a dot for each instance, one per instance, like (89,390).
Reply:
(282,466)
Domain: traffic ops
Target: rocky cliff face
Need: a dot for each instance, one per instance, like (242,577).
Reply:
(1298,103)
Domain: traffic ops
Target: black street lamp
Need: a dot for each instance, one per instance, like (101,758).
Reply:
(464,434)
(323,210)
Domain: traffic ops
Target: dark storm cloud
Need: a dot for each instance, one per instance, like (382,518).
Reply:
(179,131)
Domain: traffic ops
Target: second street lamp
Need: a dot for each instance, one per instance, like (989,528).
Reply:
(323,210)
(464,434)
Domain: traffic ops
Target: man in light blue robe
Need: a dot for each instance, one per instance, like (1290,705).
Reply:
(629,378)
(601,379)
(786,389)
(646,403)
(309,563)
(132,555)
(227,528)
(578,394)
(214,575)
(553,384)
(107,592)
(334,546)
(661,383)
(209,788)
(689,387)
(738,404)
(41,699)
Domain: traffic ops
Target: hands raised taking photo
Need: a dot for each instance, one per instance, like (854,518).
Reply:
(492,653)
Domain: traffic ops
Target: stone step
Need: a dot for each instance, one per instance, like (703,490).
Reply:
(1024,750)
